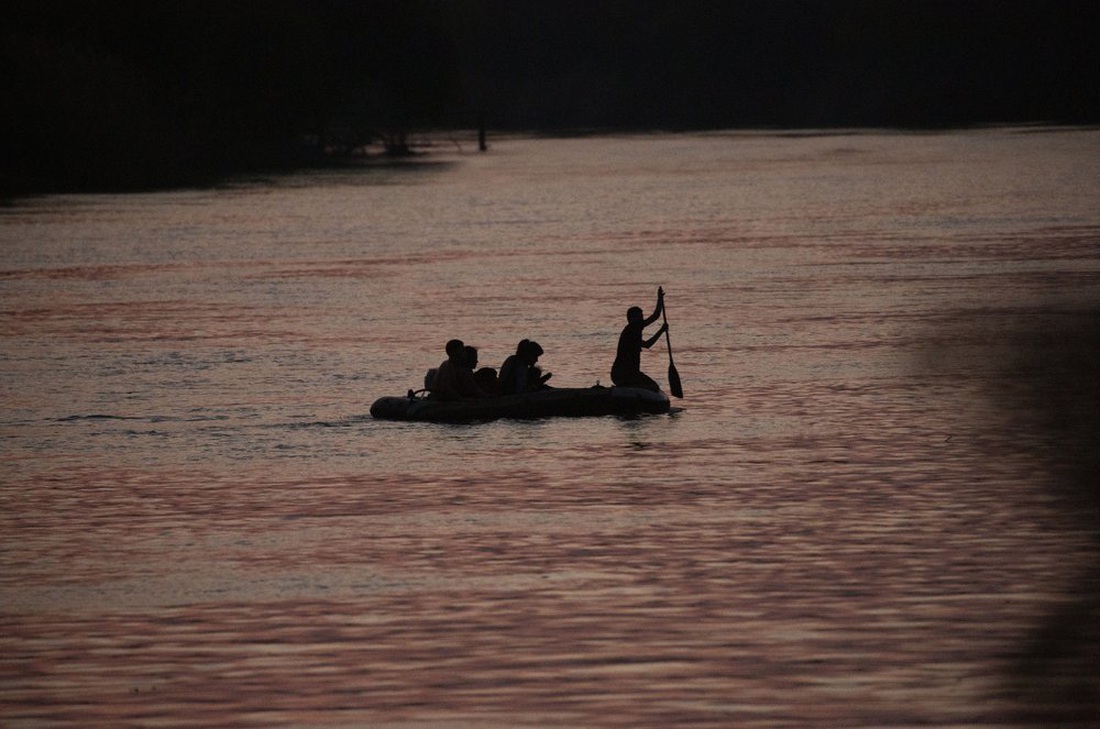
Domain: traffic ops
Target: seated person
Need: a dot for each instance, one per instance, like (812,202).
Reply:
(519,373)
(486,377)
(453,379)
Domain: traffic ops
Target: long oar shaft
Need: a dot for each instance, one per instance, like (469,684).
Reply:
(674,385)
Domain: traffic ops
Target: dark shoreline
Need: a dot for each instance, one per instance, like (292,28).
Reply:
(431,142)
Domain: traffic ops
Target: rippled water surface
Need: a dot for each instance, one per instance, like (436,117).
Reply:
(848,522)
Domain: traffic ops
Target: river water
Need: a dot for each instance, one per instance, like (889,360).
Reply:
(855,517)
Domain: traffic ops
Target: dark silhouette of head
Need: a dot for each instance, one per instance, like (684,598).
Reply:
(456,349)
(635,315)
(470,353)
(528,351)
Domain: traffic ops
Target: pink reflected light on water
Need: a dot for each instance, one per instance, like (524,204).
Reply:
(857,519)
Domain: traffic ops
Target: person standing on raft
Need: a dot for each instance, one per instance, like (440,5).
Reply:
(627,369)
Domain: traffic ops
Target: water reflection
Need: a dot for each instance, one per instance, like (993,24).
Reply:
(201,525)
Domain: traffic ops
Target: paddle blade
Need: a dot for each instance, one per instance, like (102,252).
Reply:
(674,381)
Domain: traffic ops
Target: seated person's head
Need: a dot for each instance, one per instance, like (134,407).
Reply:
(530,351)
(455,348)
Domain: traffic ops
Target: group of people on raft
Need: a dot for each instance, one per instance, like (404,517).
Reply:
(459,377)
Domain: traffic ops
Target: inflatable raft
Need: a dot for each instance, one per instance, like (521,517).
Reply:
(551,402)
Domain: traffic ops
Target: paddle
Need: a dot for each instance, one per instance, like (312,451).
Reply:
(673,376)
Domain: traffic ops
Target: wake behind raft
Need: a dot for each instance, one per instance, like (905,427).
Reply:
(575,402)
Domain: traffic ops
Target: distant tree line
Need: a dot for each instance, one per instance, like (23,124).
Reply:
(122,94)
